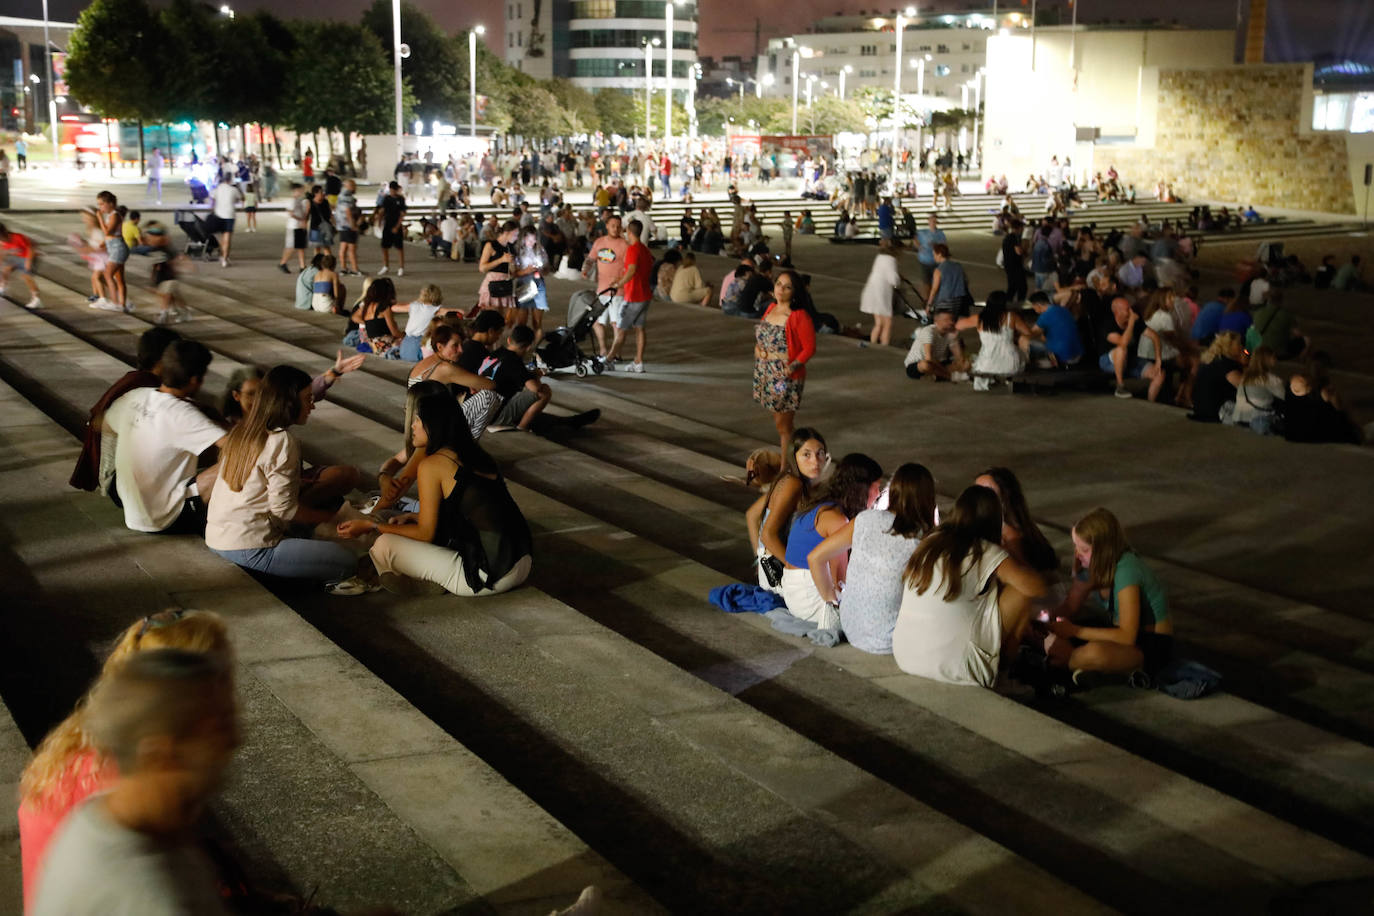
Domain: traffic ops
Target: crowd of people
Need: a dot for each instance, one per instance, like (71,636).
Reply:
(962,599)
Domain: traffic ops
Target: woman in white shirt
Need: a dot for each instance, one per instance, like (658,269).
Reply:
(1259,388)
(876,298)
(257,497)
(964,597)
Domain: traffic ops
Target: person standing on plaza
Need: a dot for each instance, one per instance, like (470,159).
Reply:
(297,217)
(155,174)
(348,216)
(1014,263)
(321,221)
(227,198)
(498,289)
(607,258)
(949,288)
(784,341)
(636,291)
(876,298)
(926,239)
(392,214)
(21,155)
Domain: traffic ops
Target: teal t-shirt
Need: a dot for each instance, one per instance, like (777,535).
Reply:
(1154,598)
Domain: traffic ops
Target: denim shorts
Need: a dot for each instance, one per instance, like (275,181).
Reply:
(116,250)
(1104,362)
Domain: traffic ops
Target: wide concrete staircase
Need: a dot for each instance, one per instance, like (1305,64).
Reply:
(605,725)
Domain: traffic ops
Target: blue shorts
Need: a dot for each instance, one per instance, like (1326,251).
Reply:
(116,250)
(1104,362)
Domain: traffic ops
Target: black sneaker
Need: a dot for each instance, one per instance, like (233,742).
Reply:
(283,268)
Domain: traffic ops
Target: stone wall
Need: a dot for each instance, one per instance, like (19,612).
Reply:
(1237,134)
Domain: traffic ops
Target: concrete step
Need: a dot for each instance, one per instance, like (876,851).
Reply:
(14,754)
(341,783)
(685,423)
(645,586)
(566,706)
(1301,685)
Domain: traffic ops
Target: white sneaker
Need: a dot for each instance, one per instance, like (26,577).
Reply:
(400,271)
(34,304)
(958,376)
(980,384)
(635,367)
(166,316)
(105,305)
(223,262)
(382,272)
(2,292)
(349,588)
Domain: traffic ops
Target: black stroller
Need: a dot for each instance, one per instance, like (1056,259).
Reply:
(199,239)
(559,349)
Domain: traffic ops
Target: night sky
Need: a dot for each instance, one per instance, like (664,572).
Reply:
(1298,29)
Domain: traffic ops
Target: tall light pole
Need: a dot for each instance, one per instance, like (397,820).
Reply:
(472,78)
(648,88)
(668,73)
(396,62)
(759,84)
(796,75)
(977,105)
(810,80)
(52,88)
(902,17)
(920,98)
(844,71)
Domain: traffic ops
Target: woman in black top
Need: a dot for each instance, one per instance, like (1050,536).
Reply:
(1218,377)
(1014,264)
(469,537)
(497,290)
(373,315)
(321,221)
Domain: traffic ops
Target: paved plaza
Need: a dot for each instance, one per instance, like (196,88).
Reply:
(605,725)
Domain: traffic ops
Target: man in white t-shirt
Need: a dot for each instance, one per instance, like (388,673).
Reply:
(227,198)
(937,351)
(155,173)
(160,434)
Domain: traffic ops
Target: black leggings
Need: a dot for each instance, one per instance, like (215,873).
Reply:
(1016,286)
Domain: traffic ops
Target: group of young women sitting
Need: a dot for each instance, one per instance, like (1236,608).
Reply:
(463,531)
(953,599)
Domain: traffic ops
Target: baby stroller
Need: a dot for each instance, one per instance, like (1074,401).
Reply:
(559,349)
(199,193)
(199,239)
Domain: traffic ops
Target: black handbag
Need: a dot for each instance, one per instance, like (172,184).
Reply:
(772,569)
(501,289)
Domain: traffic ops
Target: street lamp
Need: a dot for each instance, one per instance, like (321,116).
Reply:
(668,72)
(920,65)
(396,65)
(648,87)
(844,71)
(52,88)
(902,17)
(977,104)
(797,54)
(809,80)
(472,78)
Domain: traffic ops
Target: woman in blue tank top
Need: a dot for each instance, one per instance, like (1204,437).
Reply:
(851,489)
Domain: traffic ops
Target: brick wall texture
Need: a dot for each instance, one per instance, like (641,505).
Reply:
(1232,134)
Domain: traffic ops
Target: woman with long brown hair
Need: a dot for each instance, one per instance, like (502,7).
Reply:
(964,597)
(880,543)
(785,340)
(66,768)
(257,498)
(770,517)
(1141,633)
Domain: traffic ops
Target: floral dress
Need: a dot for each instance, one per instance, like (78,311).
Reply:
(774,388)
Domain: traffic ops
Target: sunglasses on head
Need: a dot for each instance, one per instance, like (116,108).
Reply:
(160,619)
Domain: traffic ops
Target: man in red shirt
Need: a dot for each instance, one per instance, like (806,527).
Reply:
(18,254)
(665,172)
(635,289)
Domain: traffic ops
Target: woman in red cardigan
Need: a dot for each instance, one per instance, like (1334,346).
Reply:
(785,340)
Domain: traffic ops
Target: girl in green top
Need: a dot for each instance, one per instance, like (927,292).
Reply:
(1141,631)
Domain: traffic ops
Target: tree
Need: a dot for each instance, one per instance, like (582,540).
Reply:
(340,79)
(433,67)
(204,66)
(117,62)
(616,112)
(578,103)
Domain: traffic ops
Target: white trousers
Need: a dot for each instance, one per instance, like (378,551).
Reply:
(799,591)
(394,556)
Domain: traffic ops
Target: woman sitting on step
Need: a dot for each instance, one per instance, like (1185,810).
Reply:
(468,538)
(1140,635)
(770,517)
(880,543)
(851,489)
(476,393)
(257,500)
(964,597)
